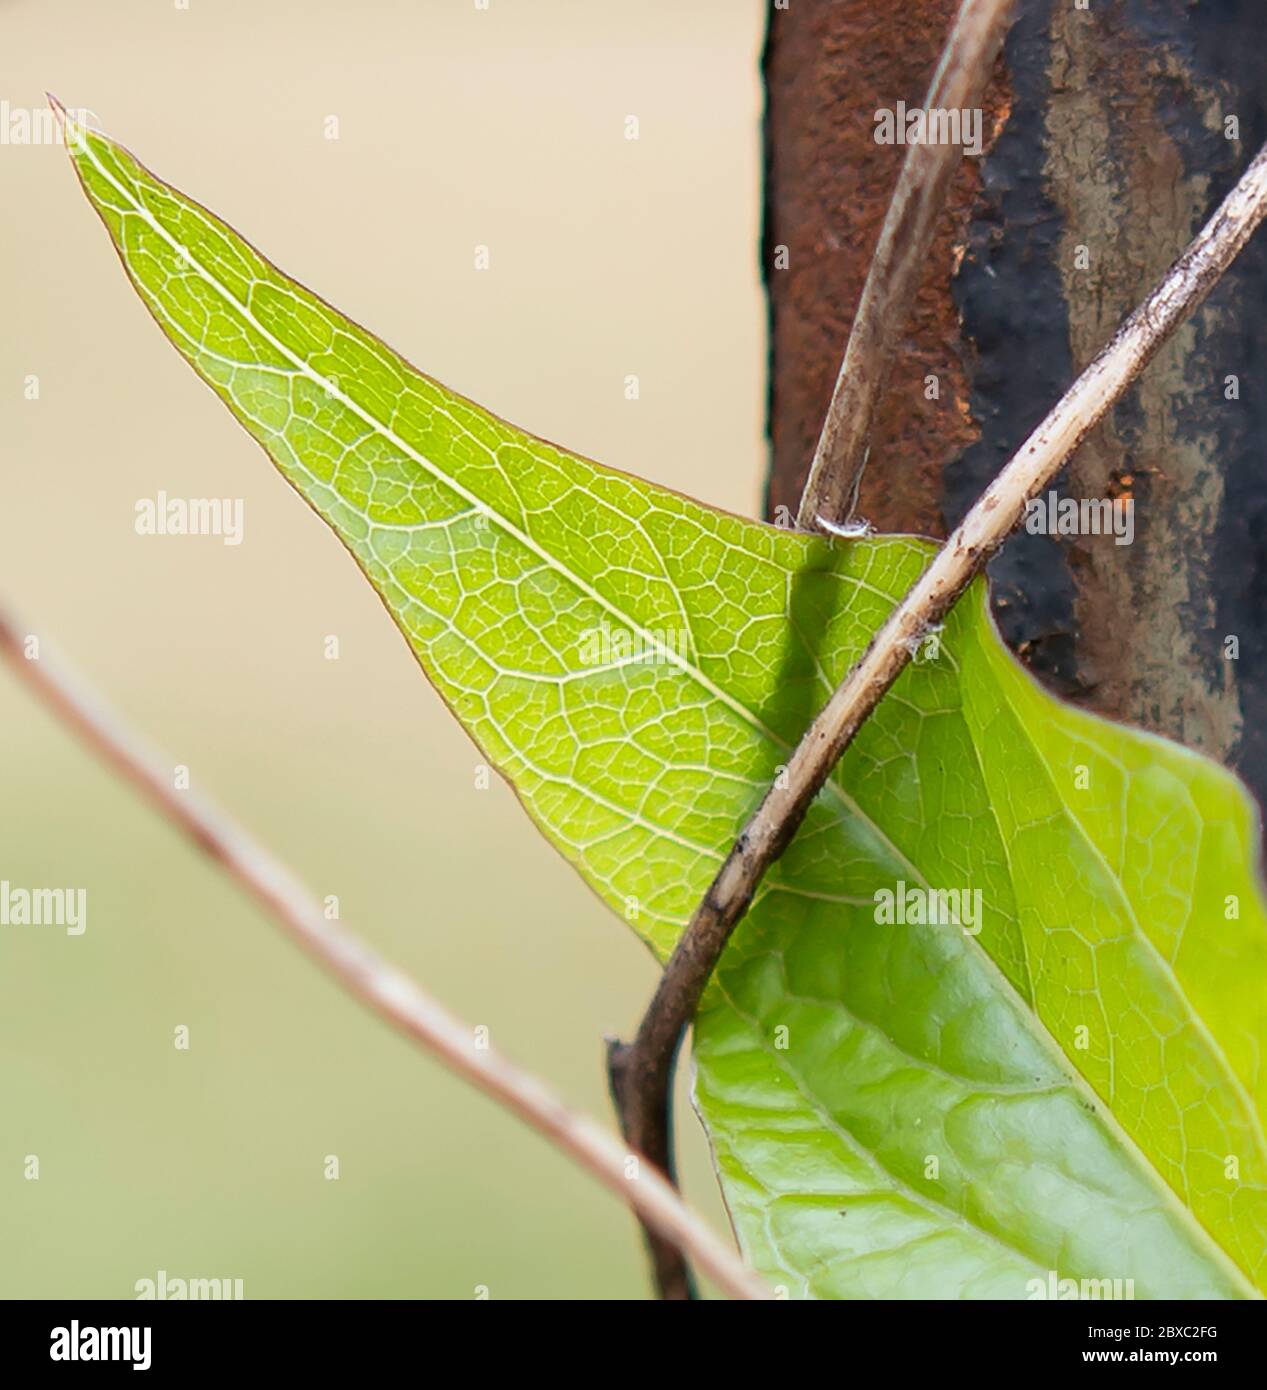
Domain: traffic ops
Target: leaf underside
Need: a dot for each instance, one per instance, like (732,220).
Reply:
(903,1111)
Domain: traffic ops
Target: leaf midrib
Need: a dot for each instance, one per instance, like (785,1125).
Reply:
(332,389)
(896,1183)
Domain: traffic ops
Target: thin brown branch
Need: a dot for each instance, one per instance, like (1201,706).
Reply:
(645,1067)
(831,489)
(670,1270)
(374,981)
(896,269)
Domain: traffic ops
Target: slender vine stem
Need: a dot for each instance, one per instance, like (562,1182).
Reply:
(897,267)
(371,979)
(645,1066)
(830,492)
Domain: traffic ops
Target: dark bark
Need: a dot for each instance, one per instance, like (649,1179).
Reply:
(1112,138)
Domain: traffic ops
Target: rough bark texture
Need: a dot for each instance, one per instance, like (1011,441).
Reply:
(829,68)
(1112,149)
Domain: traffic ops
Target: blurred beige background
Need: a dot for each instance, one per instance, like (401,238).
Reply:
(458,126)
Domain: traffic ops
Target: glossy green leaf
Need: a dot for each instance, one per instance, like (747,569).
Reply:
(1070,1086)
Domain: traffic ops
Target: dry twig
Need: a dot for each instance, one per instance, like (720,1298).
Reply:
(374,981)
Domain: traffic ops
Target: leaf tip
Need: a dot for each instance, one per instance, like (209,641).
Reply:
(71,124)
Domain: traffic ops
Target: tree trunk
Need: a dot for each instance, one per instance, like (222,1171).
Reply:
(1117,130)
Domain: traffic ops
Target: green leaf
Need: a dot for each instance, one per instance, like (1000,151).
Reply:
(1075,1084)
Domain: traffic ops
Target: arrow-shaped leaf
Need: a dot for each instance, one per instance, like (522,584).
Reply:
(1067,1083)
